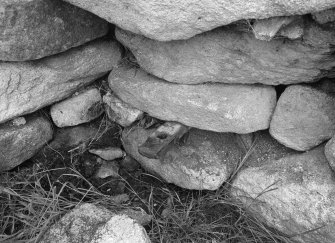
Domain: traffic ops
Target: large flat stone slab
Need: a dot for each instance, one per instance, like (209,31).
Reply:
(228,55)
(172,20)
(31,29)
(214,107)
(28,86)
(304,117)
(295,194)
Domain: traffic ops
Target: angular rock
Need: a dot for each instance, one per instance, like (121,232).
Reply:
(295,195)
(214,107)
(28,86)
(129,164)
(174,20)
(37,28)
(88,223)
(80,108)
(266,29)
(120,112)
(108,153)
(330,152)
(202,161)
(292,31)
(324,17)
(19,143)
(108,169)
(228,55)
(304,117)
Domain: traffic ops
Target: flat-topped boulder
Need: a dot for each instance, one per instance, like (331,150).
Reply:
(173,20)
(28,86)
(32,29)
(214,107)
(229,55)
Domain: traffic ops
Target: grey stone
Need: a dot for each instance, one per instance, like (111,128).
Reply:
(324,17)
(108,153)
(32,29)
(107,169)
(295,195)
(330,152)
(88,223)
(28,86)
(172,20)
(304,117)
(82,107)
(19,143)
(215,107)
(202,160)
(228,55)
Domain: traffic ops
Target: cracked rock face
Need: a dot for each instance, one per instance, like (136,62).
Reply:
(28,86)
(229,55)
(32,29)
(173,20)
(203,160)
(214,107)
(294,194)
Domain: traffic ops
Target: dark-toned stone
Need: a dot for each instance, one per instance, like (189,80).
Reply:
(31,29)
(19,143)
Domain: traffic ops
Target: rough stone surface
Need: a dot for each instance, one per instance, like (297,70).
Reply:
(304,117)
(20,142)
(324,17)
(31,29)
(93,224)
(80,108)
(294,194)
(215,107)
(203,160)
(330,152)
(28,86)
(266,29)
(120,112)
(172,20)
(227,55)
(108,169)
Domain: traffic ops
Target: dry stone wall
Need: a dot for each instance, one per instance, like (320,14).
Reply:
(240,77)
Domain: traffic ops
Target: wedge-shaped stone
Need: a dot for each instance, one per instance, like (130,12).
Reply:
(31,29)
(227,55)
(215,107)
(28,86)
(295,194)
(172,20)
(304,117)
(202,160)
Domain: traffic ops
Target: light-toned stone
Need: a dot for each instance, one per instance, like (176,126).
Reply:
(120,112)
(330,152)
(108,153)
(266,29)
(215,107)
(28,86)
(32,29)
(202,160)
(227,55)
(295,195)
(88,223)
(304,117)
(19,143)
(172,20)
(80,108)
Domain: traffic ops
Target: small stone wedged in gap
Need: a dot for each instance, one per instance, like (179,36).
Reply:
(119,111)
(80,108)
(108,153)
(107,169)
